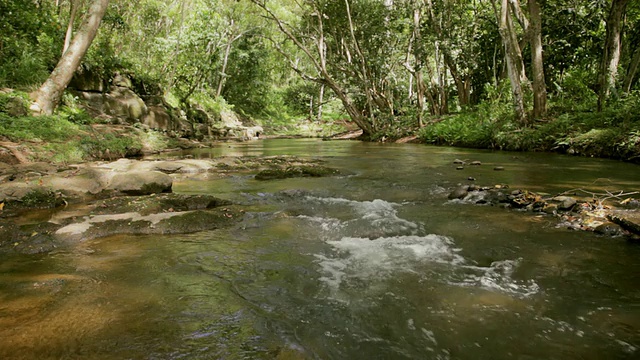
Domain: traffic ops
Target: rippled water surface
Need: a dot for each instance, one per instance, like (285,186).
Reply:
(376,264)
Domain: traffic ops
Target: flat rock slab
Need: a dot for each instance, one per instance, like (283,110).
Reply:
(132,215)
(133,223)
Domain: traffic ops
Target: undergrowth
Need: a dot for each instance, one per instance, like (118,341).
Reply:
(613,133)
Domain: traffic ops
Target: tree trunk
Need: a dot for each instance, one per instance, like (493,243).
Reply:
(611,53)
(320,101)
(462,84)
(629,80)
(539,85)
(420,93)
(223,75)
(72,18)
(48,96)
(513,57)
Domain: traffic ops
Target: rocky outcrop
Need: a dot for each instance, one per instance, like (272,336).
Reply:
(119,103)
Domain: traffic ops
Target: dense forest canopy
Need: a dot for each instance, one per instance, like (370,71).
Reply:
(387,65)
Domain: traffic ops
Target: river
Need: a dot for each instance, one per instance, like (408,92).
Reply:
(375,264)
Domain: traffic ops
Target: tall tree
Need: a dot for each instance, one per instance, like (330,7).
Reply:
(611,53)
(47,97)
(513,56)
(537,67)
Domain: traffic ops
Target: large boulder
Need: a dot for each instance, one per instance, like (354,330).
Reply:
(123,103)
(82,182)
(157,117)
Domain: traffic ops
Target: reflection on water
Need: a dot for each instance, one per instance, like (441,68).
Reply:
(378,265)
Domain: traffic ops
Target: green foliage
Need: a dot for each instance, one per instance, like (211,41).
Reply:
(574,91)
(613,133)
(72,111)
(248,85)
(27,46)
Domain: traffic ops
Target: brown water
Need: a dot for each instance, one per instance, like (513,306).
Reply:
(374,265)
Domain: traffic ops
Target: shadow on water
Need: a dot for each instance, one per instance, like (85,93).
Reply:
(376,265)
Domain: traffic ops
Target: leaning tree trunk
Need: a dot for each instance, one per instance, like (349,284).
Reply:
(611,54)
(48,96)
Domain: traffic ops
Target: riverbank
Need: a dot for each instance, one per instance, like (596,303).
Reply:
(613,133)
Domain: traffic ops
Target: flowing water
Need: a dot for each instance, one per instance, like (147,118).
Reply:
(377,264)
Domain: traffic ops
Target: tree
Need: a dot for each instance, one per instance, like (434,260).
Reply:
(513,57)
(317,46)
(611,54)
(47,97)
(537,65)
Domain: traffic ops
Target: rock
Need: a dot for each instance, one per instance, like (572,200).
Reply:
(550,209)
(609,229)
(458,162)
(460,168)
(123,103)
(495,196)
(475,163)
(629,222)
(471,178)
(296,171)
(254,132)
(565,203)
(16,107)
(141,182)
(28,196)
(157,117)
(121,80)
(82,182)
(459,193)
(133,223)
(498,168)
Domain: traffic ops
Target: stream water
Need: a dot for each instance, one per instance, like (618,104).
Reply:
(377,264)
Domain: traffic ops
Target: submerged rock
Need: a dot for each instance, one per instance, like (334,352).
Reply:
(296,171)
(134,223)
(459,193)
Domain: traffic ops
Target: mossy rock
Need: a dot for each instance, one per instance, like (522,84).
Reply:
(36,199)
(297,171)
(152,204)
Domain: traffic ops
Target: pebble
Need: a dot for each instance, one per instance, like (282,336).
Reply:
(498,168)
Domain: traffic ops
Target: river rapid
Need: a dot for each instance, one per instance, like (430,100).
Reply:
(374,264)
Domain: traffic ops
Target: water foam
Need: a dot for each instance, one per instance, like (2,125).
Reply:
(375,244)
